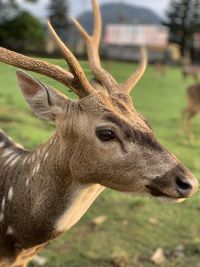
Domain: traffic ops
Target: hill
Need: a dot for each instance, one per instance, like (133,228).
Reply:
(121,13)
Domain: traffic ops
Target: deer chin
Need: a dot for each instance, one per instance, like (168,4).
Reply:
(162,198)
(155,192)
(169,200)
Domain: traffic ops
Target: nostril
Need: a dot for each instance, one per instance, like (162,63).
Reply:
(183,185)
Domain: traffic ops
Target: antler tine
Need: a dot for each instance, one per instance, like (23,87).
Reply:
(27,63)
(100,74)
(93,43)
(73,63)
(97,22)
(128,85)
(38,66)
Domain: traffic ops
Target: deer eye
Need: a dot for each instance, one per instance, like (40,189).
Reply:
(105,135)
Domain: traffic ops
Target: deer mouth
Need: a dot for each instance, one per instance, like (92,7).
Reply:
(156,192)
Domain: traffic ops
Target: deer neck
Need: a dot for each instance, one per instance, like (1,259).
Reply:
(39,200)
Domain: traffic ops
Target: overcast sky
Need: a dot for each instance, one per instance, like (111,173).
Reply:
(79,6)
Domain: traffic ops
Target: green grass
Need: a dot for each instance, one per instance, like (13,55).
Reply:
(126,238)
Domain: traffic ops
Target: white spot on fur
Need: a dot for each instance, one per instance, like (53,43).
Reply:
(24,161)
(3,204)
(30,159)
(36,169)
(1,217)
(56,138)
(7,153)
(14,161)
(9,159)
(52,140)
(46,155)
(2,144)
(10,194)
(10,230)
(27,182)
(33,173)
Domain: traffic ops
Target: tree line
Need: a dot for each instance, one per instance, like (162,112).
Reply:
(21,31)
(183,20)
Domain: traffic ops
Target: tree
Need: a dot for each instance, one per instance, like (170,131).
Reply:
(24,32)
(58,15)
(183,20)
(9,9)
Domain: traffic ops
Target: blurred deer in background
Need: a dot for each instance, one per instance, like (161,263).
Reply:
(189,69)
(100,141)
(192,109)
(192,71)
(159,69)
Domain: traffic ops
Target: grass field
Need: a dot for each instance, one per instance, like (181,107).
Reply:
(135,227)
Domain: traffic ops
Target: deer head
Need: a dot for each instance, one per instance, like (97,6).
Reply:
(102,138)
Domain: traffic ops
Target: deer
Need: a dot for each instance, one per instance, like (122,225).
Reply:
(100,141)
(189,69)
(192,71)
(191,110)
(159,69)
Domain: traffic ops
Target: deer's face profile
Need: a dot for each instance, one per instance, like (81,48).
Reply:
(117,148)
(104,140)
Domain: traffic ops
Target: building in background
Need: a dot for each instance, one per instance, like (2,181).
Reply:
(122,41)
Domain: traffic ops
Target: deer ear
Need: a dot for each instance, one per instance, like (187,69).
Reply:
(44,101)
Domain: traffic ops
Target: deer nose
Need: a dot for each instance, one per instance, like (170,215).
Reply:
(186,187)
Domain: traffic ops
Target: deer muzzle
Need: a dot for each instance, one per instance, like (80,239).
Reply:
(178,183)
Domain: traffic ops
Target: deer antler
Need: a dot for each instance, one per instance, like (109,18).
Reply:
(38,66)
(93,43)
(101,74)
(73,63)
(129,84)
